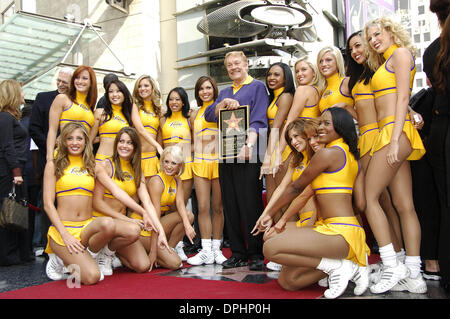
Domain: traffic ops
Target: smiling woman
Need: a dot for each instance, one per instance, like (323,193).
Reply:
(335,245)
(77,105)
(333,84)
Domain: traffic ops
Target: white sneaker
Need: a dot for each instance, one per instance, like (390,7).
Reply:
(180,251)
(116,263)
(361,279)
(390,276)
(219,258)
(104,263)
(323,282)
(339,278)
(55,268)
(203,257)
(273,266)
(414,285)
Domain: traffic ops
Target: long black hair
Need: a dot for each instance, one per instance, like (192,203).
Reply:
(289,85)
(126,105)
(345,126)
(356,72)
(184,98)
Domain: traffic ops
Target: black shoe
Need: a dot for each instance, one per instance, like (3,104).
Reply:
(234,262)
(256,264)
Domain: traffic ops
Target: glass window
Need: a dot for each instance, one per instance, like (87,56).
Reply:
(416,38)
(421,9)
(8,12)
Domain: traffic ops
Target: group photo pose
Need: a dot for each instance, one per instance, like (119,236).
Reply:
(331,185)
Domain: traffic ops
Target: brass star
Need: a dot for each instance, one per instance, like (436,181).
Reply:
(233,123)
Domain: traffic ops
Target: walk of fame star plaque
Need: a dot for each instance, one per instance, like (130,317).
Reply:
(233,126)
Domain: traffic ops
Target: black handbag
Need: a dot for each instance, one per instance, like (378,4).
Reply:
(14,213)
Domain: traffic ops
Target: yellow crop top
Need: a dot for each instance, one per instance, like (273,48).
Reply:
(333,93)
(342,180)
(384,80)
(176,129)
(273,107)
(362,91)
(111,127)
(311,111)
(201,126)
(75,180)
(128,184)
(149,118)
(169,193)
(78,111)
(300,168)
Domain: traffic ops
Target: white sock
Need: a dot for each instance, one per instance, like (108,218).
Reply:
(401,255)
(92,254)
(388,255)
(413,263)
(108,251)
(327,264)
(216,244)
(180,244)
(206,244)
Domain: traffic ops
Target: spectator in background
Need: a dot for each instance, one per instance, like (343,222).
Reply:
(30,177)
(13,149)
(38,128)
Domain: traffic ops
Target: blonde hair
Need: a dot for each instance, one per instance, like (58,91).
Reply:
(62,159)
(312,65)
(11,97)
(339,63)
(177,155)
(155,96)
(240,54)
(400,36)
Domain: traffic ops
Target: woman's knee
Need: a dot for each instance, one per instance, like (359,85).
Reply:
(269,249)
(140,265)
(131,231)
(90,275)
(107,226)
(285,281)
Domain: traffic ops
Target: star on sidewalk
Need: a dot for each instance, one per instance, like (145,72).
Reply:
(216,272)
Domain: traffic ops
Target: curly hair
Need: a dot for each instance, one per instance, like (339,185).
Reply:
(62,155)
(400,36)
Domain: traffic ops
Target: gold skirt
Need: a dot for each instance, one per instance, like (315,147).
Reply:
(386,127)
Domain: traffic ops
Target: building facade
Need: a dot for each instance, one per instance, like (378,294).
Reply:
(162,38)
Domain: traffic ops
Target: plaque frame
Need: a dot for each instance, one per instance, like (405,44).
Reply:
(231,140)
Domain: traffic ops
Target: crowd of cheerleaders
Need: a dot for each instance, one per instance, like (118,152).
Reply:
(315,166)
